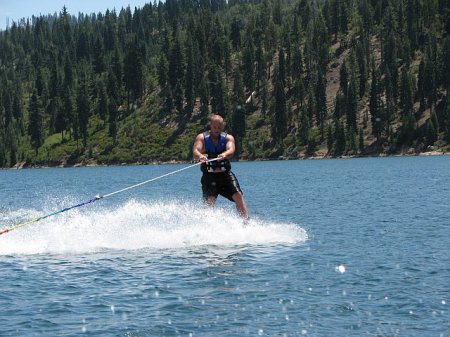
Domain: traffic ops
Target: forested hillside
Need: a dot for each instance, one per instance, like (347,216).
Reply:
(293,78)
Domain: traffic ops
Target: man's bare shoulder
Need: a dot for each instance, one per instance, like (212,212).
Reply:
(230,137)
(200,136)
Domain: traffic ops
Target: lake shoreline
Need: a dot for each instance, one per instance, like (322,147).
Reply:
(92,163)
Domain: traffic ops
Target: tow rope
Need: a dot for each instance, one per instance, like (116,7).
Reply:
(97,197)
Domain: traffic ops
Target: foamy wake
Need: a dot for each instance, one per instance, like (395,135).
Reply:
(137,225)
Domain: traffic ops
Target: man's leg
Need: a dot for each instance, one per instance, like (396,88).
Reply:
(240,204)
(211,200)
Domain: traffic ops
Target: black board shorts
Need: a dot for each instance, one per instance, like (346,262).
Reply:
(223,183)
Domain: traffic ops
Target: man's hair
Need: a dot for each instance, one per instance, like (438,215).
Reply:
(213,118)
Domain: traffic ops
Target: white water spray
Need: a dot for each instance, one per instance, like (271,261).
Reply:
(137,225)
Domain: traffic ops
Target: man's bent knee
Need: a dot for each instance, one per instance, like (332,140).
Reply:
(210,201)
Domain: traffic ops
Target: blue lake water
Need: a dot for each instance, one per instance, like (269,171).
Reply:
(342,247)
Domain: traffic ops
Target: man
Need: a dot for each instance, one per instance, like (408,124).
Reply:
(217,175)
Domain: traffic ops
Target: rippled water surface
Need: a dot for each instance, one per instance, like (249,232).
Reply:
(351,247)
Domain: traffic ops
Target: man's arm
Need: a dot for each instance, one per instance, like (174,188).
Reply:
(231,148)
(199,148)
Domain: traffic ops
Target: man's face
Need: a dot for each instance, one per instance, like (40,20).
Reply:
(215,128)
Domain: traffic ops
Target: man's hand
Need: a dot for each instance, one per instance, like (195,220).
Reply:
(222,156)
(203,159)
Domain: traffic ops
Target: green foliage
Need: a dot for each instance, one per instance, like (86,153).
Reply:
(138,86)
(35,126)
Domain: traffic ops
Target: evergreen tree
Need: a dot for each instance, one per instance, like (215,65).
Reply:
(407,130)
(99,52)
(2,151)
(261,66)
(339,135)
(362,67)
(115,90)
(281,68)
(112,120)
(204,99)
(17,109)
(235,34)
(445,64)
(60,123)
(330,138)
(447,121)
(276,14)
(352,106)
(133,77)
(406,93)
(431,130)
(102,101)
(280,111)
(361,141)
(189,76)
(238,124)
(321,100)
(351,139)
(36,124)
(162,71)
(305,125)
(176,64)
(178,97)
(421,83)
(375,103)
(83,111)
(248,65)
(343,79)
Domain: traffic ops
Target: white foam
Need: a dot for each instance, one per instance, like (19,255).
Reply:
(137,225)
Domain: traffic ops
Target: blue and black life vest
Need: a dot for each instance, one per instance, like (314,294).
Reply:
(212,151)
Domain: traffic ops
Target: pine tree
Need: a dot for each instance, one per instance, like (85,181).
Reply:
(276,14)
(176,64)
(102,101)
(189,76)
(447,121)
(445,64)
(17,109)
(352,106)
(261,66)
(235,34)
(305,125)
(330,138)
(99,52)
(204,99)
(83,111)
(248,65)
(219,94)
(431,132)
(406,93)
(36,124)
(375,103)
(162,71)
(280,111)
(2,151)
(321,100)
(343,79)
(339,135)
(238,125)
(133,74)
(362,67)
(112,120)
(361,141)
(178,97)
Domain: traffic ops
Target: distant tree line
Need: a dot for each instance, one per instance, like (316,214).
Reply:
(263,65)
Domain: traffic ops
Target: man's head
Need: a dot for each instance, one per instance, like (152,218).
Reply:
(216,125)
